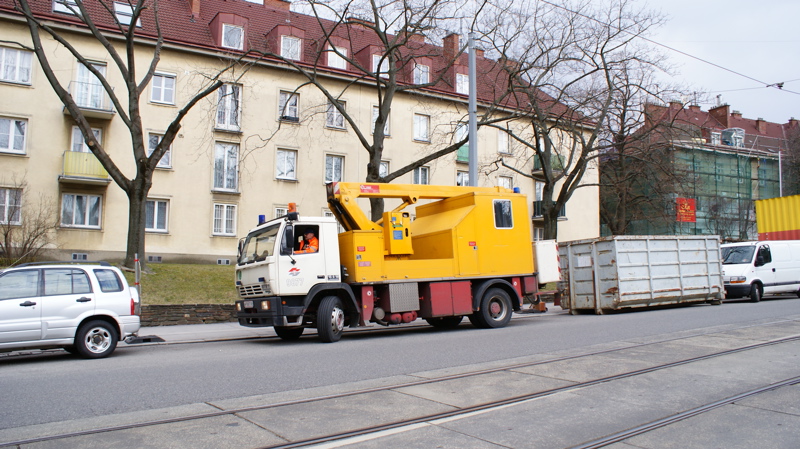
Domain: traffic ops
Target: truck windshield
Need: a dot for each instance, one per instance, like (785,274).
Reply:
(259,244)
(737,254)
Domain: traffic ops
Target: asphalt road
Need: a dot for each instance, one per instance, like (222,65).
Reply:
(58,387)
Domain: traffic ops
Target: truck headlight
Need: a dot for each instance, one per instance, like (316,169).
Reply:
(264,305)
(238,307)
(736,279)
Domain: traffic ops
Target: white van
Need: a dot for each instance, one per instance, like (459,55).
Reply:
(761,268)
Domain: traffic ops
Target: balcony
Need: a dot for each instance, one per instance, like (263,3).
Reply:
(556,164)
(537,211)
(83,168)
(92,100)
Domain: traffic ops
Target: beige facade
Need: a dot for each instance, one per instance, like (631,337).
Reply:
(225,168)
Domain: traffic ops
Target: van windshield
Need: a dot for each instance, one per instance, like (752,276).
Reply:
(737,254)
(259,244)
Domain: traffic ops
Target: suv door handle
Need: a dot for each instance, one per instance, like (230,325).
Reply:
(27,304)
(83,299)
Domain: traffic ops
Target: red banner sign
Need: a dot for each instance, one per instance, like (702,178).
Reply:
(686,210)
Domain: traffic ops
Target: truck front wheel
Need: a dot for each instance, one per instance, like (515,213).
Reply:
(755,293)
(495,309)
(330,319)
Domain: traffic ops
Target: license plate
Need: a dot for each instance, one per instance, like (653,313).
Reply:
(248,304)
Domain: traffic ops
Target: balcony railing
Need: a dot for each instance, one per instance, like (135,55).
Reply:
(538,210)
(83,168)
(463,154)
(92,99)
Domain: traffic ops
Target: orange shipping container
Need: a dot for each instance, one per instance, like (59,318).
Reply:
(778,218)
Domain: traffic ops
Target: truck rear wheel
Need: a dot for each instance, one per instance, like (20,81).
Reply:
(495,309)
(289,333)
(330,319)
(445,322)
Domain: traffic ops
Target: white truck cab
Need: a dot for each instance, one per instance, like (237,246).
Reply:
(760,268)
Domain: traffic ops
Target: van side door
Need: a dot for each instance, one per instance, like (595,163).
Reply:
(764,268)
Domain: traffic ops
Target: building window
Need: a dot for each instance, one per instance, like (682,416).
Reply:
(380,65)
(229,107)
(462,83)
(334,166)
(538,191)
(156,215)
(538,234)
(461,133)
(421,175)
(287,106)
(290,47)
(505,182)
(225,219)
(226,166)
(12,135)
(81,211)
(15,65)
(503,218)
(336,59)
(286,164)
(232,36)
(79,143)
(10,205)
(421,74)
(152,142)
(383,171)
(502,142)
(124,14)
(462,178)
(422,124)
(716,139)
(162,89)
(66,6)
(281,212)
(333,117)
(88,91)
(375,112)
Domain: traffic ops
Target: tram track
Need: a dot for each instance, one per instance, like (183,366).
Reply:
(462,411)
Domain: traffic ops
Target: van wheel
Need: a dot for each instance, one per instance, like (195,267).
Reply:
(495,309)
(96,339)
(289,333)
(755,293)
(330,319)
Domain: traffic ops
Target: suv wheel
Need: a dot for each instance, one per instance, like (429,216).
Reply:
(96,339)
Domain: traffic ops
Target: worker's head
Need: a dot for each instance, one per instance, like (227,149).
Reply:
(309,233)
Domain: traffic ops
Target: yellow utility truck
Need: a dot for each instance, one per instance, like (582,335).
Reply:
(465,252)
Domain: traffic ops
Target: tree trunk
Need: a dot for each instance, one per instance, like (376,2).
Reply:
(137,202)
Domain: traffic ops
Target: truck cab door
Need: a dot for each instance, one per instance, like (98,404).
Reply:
(298,272)
(764,268)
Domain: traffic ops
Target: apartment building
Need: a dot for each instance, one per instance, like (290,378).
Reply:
(264,139)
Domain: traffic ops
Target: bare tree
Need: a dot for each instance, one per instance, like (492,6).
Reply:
(791,165)
(99,18)
(27,224)
(571,67)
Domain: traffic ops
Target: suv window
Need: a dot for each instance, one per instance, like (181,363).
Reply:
(108,280)
(19,284)
(65,281)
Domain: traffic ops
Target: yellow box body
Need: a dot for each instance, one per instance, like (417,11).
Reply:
(455,237)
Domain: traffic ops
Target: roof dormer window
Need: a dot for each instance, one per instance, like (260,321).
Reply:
(380,65)
(421,74)
(290,47)
(336,57)
(124,14)
(232,36)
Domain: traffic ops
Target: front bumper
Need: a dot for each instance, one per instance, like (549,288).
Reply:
(264,312)
(737,290)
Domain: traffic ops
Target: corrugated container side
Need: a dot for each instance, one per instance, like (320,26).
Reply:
(778,218)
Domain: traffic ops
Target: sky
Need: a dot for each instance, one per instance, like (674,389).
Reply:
(759,40)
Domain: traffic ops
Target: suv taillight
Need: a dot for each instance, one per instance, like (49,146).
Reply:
(134,307)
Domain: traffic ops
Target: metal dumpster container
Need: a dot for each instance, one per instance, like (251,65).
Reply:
(612,273)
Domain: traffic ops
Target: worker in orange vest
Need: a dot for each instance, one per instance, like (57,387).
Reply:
(310,243)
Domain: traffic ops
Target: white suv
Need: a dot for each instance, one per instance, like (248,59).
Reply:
(84,308)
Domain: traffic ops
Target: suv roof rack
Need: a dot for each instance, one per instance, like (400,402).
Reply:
(71,262)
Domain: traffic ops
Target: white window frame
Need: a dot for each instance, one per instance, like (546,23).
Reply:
(335,60)
(229,32)
(229,107)
(159,213)
(10,206)
(462,178)
(510,214)
(503,146)
(334,168)
(291,48)
(380,68)
(152,140)
(78,143)
(15,65)
(13,135)
(462,83)
(280,211)
(422,74)
(89,201)
(67,7)
(422,175)
(505,182)
(160,89)
(384,169)
(386,128)
(461,132)
(224,220)
(124,14)
(422,126)
(333,117)
(289,106)
(226,167)
(538,191)
(89,91)
(716,138)
(538,234)
(286,164)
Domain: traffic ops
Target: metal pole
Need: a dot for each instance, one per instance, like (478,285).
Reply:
(780,174)
(473,110)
